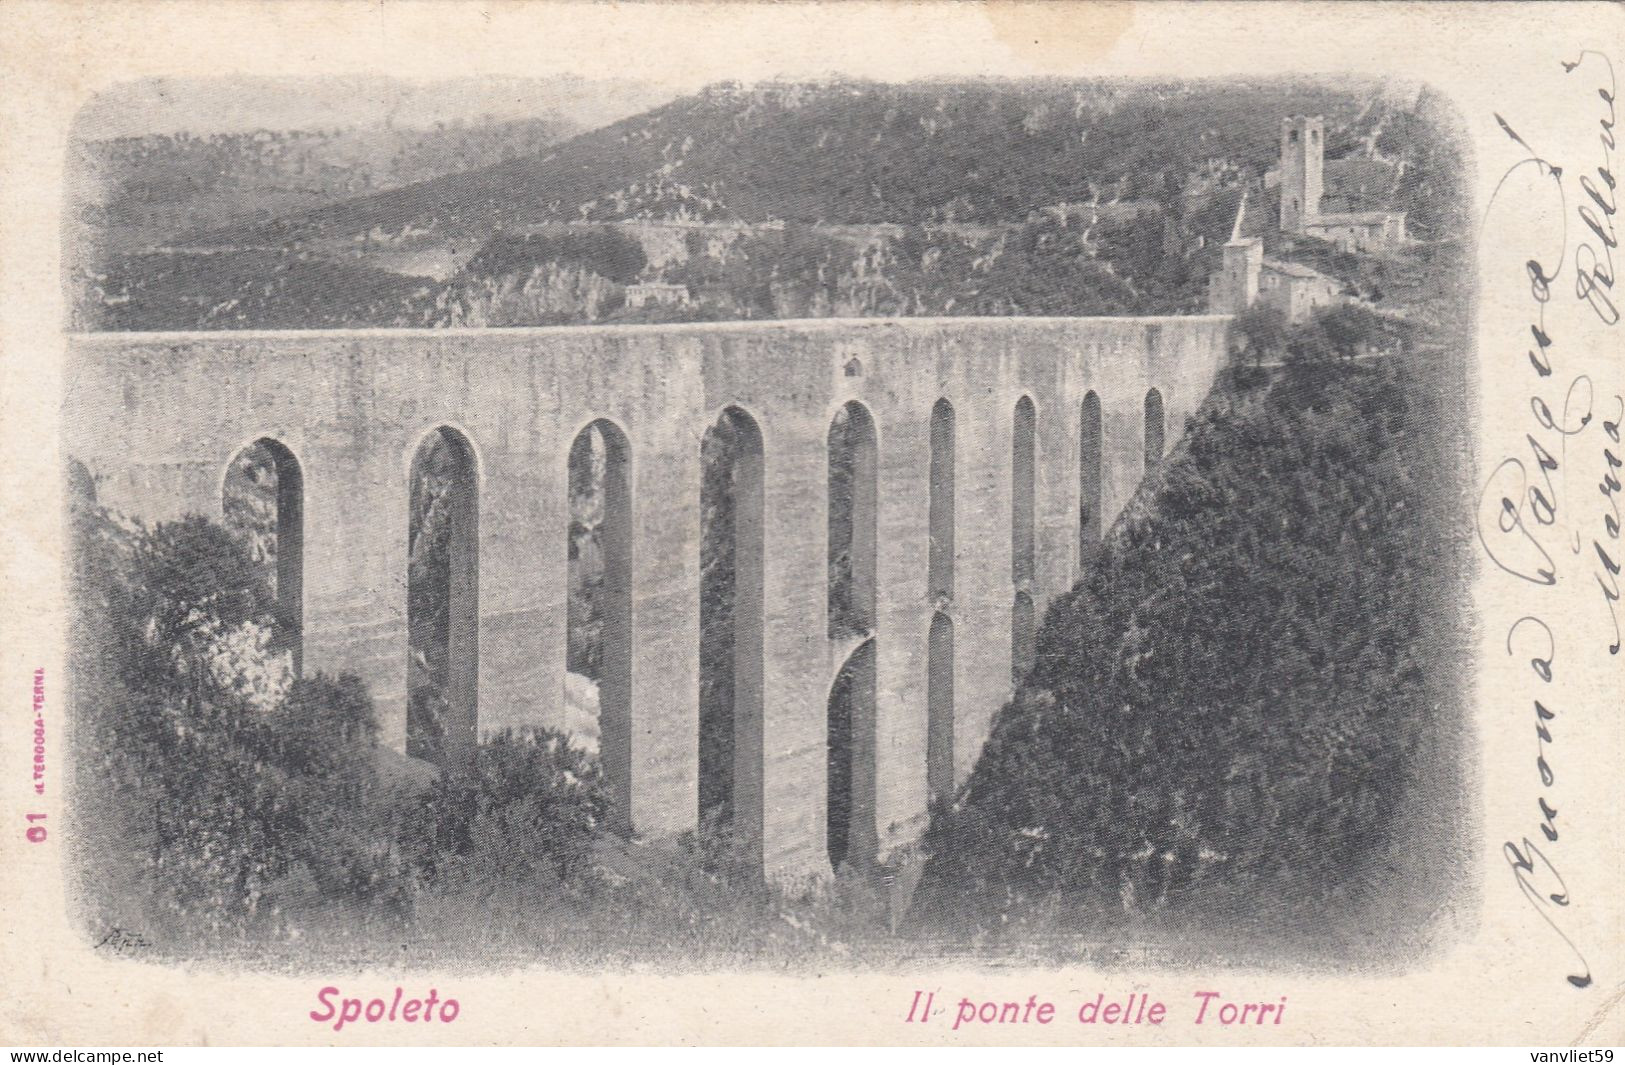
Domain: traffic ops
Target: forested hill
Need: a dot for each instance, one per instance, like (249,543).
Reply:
(852,153)
(846,199)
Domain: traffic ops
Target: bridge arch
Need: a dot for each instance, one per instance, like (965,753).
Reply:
(427,434)
(262,497)
(1091,457)
(598,609)
(1023,532)
(939,668)
(851,834)
(442,601)
(1155,429)
(732,523)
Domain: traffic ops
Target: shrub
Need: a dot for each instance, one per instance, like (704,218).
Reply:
(528,814)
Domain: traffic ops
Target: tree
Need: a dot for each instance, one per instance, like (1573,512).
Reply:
(1351,328)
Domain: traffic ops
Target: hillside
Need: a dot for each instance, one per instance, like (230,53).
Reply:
(133,193)
(216,104)
(839,198)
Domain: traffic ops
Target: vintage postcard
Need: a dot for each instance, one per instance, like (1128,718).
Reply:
(903,523)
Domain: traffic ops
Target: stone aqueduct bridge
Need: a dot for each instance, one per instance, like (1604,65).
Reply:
(1040,444)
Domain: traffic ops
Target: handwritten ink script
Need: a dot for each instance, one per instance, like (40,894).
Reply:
(1548,516)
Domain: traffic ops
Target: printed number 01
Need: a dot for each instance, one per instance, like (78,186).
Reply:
(35,833)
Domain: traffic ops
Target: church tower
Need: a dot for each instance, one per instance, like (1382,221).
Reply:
(1301,153)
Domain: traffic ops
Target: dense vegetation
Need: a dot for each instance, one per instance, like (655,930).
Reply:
(1060,264)
(859,152)
(209,768)
(224,805)
(242,290)
(134,192)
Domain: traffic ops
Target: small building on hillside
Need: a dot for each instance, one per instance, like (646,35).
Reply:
(1246,278)
(656,293)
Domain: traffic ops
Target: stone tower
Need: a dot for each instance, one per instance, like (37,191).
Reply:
(1301,151)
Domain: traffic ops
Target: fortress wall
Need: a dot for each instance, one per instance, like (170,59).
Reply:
(155,418)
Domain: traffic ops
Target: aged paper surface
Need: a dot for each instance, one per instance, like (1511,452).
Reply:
(469,320)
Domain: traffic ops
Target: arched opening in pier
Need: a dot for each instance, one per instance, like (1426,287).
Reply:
(1023,464)
(598,611)
(442,601)
(851,832)
(940,556)
(1090,457)
(1154,429)
(939,715)
(263,502)
(853,515)
(1023,637)
(731,545)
